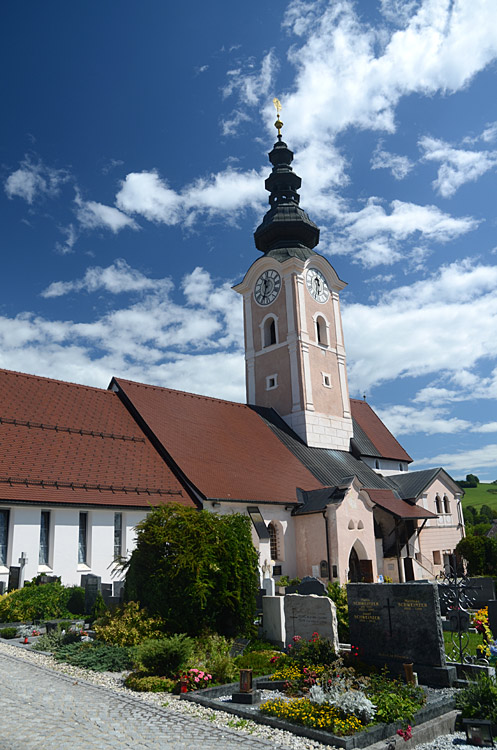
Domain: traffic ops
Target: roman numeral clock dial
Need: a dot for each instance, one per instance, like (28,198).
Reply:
(316,285)
(267,287)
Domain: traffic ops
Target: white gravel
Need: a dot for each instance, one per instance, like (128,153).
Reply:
(221,719)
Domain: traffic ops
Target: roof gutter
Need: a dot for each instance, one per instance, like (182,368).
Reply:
(325,517)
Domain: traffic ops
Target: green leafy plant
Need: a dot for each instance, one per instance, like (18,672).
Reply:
(286,581)
(46,602)
(316,650)
(55,639)
(8,633)
(394,700)
(261,662)
(128,626)
(143,683)
(95,655)
(164,657)
(195,569)
(338,594)
(479,699)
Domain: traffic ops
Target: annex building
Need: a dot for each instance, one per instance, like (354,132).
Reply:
(324,482)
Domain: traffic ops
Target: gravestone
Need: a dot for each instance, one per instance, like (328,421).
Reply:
(2,588)
(118,589)
(106,592)
(92,584)
(268,586)
(457,621)
(273,620)
(492,617)
(14,577)
(309,614)
(399,623)
(308,585)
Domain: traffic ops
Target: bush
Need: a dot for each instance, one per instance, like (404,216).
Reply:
(76,600)
(128,626)
(479,699)
(164,657)
(195,569)
(394,701)
(315,651)
(338,594)
(212,652)
(53,640)
(149,684)
(96,656)
(46,602)
(8,633)
(261,662)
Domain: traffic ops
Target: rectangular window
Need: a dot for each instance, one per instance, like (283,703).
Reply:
(4,535)
(44,538)
(82,540)
(437,559)
(118,535)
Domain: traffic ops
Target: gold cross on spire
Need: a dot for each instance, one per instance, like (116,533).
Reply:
(278,124)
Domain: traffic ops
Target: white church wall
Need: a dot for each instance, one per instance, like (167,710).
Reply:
(24,536)
(385,466)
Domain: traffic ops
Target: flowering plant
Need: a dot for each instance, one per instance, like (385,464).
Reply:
(195,679)
(406,734)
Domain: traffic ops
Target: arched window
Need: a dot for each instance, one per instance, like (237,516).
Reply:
(321,331)
(273,541)
(446,504)
(438,504)
(269,333)
(376,464)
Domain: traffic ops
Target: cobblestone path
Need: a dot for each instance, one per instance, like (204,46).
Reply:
(44,710)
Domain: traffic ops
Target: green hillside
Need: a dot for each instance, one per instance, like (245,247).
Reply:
(478,496)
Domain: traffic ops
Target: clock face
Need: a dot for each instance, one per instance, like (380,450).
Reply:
(317,286)
(267,287)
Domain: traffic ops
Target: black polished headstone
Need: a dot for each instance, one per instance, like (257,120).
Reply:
(14,577)
(308,585)
(93,584)
(106,591)
(397,623)
(492,617)
(118,589)
(2,587)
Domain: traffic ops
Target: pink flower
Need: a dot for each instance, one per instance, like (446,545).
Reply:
(206,678)
(197,679)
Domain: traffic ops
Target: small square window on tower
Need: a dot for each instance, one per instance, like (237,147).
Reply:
(271,382)
(326,379)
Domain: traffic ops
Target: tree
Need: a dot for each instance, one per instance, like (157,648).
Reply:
(195,569)
(480,552)
(472,480)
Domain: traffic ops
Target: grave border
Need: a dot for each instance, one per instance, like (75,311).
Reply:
(433,709)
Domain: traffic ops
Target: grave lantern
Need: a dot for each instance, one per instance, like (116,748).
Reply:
(245,680)
(479,732)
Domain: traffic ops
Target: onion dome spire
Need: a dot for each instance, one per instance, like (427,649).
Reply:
(286,229)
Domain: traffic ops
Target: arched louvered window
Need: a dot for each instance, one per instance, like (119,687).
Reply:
(273,541)
(438,504)
(270,332)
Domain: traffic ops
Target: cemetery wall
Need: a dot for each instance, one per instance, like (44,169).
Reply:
(24,536)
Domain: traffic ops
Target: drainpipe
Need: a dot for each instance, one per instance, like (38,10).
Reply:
(327,543)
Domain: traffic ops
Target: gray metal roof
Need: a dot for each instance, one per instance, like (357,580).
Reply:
(362,442)
(411,484)
(330,467)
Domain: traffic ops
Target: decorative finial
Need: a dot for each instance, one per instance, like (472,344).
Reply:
(278,124)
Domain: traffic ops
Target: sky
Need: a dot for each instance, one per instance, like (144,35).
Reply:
(133,152)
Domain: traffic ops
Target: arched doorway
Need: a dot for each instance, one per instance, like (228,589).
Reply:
(355,575)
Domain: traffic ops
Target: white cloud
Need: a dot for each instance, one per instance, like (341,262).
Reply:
(373,236)
(429,327)
(458,166)
(183,343)
(71,236)
(400,166)
(116,278)
(463,462)
(34,180)
(251,86)
(218,195)
(407,420)
(436,396)
(92,215)
(488,427)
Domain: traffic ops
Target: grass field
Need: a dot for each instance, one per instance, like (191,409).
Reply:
(474,640)
(478,496)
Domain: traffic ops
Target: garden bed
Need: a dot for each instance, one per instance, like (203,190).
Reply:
(437,705)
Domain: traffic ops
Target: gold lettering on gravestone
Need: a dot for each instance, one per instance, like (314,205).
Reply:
(412,604)
(365,610)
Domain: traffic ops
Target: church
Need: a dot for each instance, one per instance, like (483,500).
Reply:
(324,482)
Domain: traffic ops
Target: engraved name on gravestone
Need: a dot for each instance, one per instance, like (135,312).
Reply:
(396,623)
(308,614)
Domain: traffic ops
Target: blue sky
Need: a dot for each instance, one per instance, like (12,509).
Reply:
(133,147)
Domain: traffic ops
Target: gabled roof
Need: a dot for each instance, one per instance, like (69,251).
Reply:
(410,485)
(373,438)
(72,444)
(224,449)
(389,501)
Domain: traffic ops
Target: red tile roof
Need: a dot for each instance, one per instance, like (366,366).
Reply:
(224,448)
(67,443)
(375,430)
(387,500)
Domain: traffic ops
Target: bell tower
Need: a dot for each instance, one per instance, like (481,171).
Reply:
(294,347)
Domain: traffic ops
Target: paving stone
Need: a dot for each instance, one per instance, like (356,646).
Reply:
(45,710)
